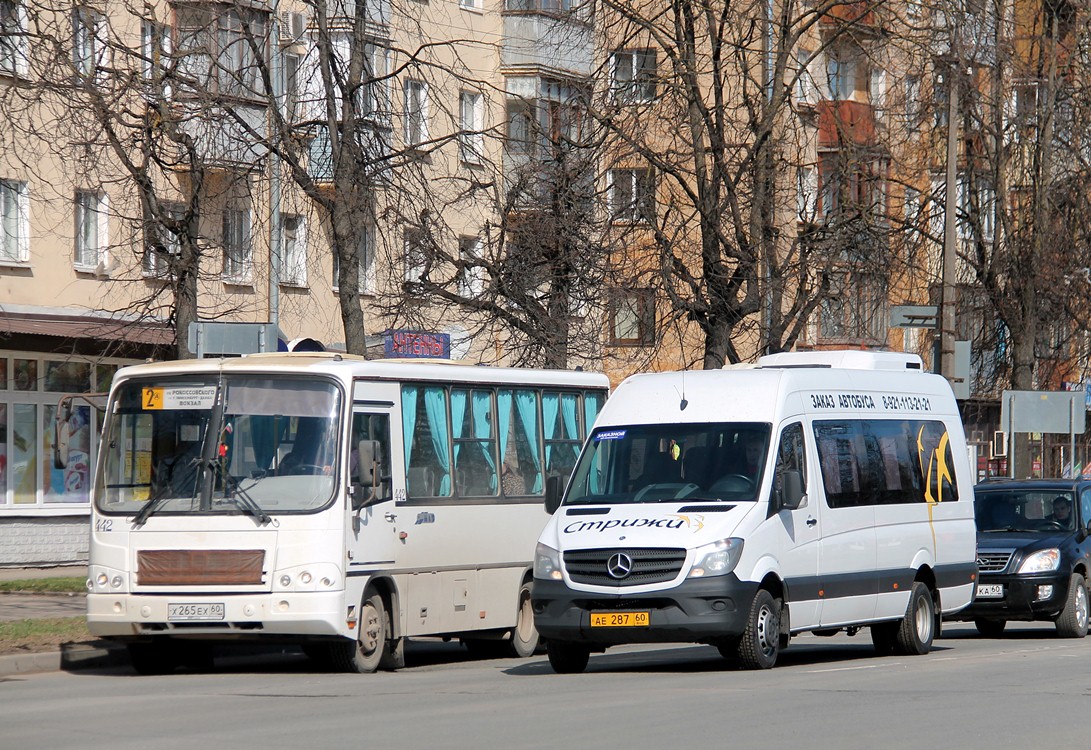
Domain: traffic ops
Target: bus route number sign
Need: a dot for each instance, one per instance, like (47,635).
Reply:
(151,398)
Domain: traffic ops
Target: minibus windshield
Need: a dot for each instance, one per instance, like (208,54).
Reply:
(271,448)
(667,462)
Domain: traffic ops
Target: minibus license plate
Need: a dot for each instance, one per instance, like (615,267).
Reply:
(211,611)
(990,591)
(619,619)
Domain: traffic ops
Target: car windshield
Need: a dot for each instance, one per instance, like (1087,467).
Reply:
(1038,509)
(273,446)
(665,462)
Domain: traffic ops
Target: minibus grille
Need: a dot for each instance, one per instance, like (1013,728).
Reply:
(199,567)
(993,562)
(624,566)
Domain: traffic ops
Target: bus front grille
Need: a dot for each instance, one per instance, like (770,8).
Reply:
(624,566)
(199,567)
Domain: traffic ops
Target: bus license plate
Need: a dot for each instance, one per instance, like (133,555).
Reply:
(189,612)
(619,619)
(990,591)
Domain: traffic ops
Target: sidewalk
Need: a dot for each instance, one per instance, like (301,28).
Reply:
(72,656)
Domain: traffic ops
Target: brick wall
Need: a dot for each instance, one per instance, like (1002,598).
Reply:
(56,540)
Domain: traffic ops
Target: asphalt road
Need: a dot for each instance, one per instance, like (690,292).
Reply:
(1028,689)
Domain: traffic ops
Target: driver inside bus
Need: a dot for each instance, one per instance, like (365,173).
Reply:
(311,453)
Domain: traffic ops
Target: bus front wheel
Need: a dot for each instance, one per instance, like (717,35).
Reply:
(524,636)
(372,633)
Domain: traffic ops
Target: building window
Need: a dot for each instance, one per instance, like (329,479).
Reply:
(633,75)
(807,194)
(471,123)
(373,101)
(13,38)
(841,74)
(415,256)
(877,91)
(162,245)
(912,100)
(856,309)
(216,48)
(470,4)
(14,221)
(805,89)
(471,278)
(89,41)
(154,47)
(92,229)
(416,112)
(293,253)
(236,245)
(632,317)
(550,123)
(850,189)
(366,257)
(632,195)
(545,6)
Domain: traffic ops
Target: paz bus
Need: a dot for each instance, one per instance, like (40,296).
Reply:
(328,501)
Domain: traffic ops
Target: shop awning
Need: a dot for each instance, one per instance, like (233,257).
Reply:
(85,327)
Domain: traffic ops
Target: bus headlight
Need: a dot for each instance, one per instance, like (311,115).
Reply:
(1043,561)
(716,559)
(547,563)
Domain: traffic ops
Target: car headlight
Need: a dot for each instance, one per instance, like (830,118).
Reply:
(547,563)
(1042,562)
(716,559)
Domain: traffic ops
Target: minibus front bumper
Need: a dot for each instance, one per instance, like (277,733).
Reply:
(698,610)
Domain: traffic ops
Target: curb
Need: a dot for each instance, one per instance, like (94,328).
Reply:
(72,657)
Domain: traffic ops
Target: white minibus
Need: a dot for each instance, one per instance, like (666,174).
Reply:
(328,501)
(815,492)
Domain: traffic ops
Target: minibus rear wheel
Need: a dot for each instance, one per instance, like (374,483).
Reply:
(918,627)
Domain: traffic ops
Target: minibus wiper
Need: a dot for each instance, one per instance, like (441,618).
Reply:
(161,496)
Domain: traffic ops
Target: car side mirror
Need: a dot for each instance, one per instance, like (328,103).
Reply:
(368,482)
(1083,533)
(788,489)
(552,494)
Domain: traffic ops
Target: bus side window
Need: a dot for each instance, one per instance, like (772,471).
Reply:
(791,457)
(374,427)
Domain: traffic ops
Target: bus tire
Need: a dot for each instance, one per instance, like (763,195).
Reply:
(153,658)
(1072,622)
(760,642)
(524,636)
(918,627)
(568,658)
(363,654)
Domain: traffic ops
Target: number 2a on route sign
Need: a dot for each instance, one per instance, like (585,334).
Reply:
(151,398)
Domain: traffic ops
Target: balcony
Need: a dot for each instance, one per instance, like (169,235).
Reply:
(540,42)
(845,122)
(859,15)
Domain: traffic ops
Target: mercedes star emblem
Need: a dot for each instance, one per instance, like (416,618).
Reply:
(619,565)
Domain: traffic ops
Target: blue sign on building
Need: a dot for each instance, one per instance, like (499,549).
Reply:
(416,344)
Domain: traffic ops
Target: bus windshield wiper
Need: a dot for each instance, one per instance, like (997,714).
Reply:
(158,499)
(234,492)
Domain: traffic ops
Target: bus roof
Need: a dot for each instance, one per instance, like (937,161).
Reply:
(348,367)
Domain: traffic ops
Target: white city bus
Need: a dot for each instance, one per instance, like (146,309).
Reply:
(326,500)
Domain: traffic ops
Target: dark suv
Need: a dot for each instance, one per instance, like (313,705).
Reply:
(1033,554)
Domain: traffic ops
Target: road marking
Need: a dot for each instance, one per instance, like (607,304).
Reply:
(842,669)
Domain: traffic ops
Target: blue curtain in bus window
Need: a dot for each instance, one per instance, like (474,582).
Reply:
(409,420)
(458,416)
(435,407)
(569,403)
(591,405)
(482,406)
(551,404)
(526,403)
(503,424)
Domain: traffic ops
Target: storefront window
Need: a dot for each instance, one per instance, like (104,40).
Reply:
(68,377)
(69,483)
(26,375)
(3,451)
(24,443)
(104,377)
(3,374)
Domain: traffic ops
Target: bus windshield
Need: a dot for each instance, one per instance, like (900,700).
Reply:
(666,462)
(273,446)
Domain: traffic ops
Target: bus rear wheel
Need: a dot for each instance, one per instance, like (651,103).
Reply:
(363,655)
(918,627)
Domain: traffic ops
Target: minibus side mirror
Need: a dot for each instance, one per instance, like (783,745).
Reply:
(368,483)
(552,494)
(789,489)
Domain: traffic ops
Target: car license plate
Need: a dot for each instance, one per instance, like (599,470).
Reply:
(619,619)
(990,591)
(189,612)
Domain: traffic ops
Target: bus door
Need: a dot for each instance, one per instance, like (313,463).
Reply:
(372,534)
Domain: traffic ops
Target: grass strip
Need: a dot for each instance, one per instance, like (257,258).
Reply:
(43,634)
(66,585)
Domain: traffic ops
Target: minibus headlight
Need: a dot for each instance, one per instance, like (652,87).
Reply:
(716,559)
(1043,561)
(547,563)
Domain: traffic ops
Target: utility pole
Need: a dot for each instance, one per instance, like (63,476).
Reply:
(275,236)
(949,290)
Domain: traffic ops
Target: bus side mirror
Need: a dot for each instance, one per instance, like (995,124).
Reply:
(789,489)
(368,485)
(552,494)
